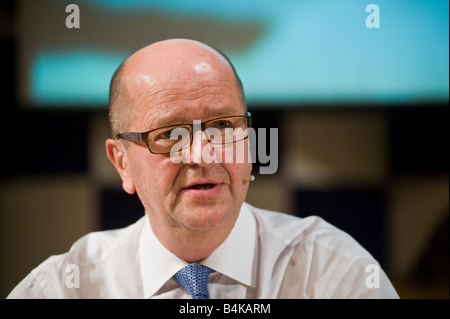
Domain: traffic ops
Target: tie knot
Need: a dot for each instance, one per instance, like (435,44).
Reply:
(194,278)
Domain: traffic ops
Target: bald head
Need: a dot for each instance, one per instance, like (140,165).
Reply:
(165,65)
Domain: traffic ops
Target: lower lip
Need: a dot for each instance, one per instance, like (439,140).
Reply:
(208,192)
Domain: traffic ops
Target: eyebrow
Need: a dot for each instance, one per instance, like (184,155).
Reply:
(182,118)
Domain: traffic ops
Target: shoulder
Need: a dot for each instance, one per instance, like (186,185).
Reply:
(97,246)
(90,254)
(312,230)
(318,259)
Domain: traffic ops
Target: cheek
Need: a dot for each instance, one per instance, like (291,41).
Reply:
(239,174)
(237,153)
(236,161)
(154,178)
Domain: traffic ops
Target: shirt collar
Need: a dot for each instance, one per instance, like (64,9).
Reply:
(233,258)
(158,264)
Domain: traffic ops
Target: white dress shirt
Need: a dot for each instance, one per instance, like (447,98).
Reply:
(267,255)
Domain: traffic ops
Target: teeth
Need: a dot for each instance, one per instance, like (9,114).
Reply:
(202,186)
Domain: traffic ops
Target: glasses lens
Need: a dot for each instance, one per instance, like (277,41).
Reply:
(172,139)
(226,130)
(169,139)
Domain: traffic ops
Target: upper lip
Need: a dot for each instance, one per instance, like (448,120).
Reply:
(200,182)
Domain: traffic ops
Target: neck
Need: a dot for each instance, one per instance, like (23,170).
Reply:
(193,246)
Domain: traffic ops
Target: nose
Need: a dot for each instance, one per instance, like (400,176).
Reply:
(201,152)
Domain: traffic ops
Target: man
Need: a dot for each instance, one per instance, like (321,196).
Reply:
(195,214)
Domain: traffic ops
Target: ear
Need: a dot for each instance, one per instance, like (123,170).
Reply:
(119,159)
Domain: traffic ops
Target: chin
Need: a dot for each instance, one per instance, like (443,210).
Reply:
(208,217)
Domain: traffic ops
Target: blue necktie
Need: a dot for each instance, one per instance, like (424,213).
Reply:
(194,278)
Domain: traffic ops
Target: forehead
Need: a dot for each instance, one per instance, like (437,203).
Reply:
(176,81)
(180,115)
(174,103)
(182,111)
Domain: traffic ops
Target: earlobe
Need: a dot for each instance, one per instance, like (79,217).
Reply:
(119,160)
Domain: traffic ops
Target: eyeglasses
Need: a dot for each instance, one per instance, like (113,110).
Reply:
(174,138)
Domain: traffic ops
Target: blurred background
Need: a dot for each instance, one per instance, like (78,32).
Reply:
(361,113)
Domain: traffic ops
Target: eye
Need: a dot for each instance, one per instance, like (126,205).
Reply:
(173,133)
(221,124)
(165,134)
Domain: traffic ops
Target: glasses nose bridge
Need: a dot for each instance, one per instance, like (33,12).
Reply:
(197,142)
(196,127)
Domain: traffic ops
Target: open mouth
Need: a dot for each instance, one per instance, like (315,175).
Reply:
(201,186)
